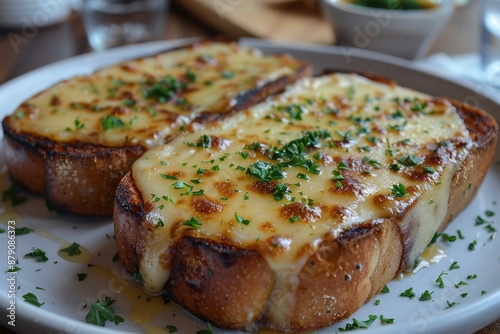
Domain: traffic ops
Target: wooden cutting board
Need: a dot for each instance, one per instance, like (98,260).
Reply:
(284,20)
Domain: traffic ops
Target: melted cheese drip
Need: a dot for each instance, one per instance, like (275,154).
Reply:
(372,126)
(211,75)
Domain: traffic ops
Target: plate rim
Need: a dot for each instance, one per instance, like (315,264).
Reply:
(474,309)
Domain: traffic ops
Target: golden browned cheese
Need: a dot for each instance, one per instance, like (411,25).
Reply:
(328,155)
(143,102)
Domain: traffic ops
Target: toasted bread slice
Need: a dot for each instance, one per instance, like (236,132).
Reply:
(292,214)
(77,139)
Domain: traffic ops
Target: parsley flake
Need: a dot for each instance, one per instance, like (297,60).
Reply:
(439,280)
(32,299)
(426,295)
(38,254)
(100,312)
(408,293)
(12,194)
(81,276)
(265,171)
(399,190)
(72,250)
(111,122)
(193,222)
(239,219)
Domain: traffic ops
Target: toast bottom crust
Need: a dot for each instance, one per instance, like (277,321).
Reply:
(79,179)
(230,286)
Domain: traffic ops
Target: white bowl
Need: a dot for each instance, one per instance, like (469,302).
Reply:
(407,33)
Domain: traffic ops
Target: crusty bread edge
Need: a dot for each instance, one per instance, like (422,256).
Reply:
(55,169)
(347,271)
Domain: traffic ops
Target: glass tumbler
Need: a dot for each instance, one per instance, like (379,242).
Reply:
(110,23)
(490,41)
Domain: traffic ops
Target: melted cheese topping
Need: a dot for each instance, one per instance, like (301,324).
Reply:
(330,153)
(144,101)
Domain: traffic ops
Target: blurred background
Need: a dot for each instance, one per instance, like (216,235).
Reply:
(34,33)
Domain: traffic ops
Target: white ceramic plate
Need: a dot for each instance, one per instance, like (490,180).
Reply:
(64,296)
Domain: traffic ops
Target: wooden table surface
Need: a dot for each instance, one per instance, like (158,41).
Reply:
(65,40)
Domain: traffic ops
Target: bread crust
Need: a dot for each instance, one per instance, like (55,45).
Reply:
(334,282)
(82,178)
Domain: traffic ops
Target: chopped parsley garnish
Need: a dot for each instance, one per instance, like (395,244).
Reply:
(426,295)
(205,141)
(171,328)
(23,230)
(449,238)
(397,114)
(100,312)
(489,213)
(254,146)
(472,245)
(12,194)
(265,171)
(239,219)
(303,176)
(408,293)
(439,280)
(281,191)
(111,122)
(398,127)
(386,320)
(356,324)
(342,166)
(72,250)
(129,103)
(418,106)
(191,76)
(399,190)
(385,289)
(459,284)
(160,223)
(81,276)
(78,124)
(151,111)
(480,220)
(198,192)
(169,177)
(337,175)
(429,170)
(454,266)
(37,254)
(451,304)
(193,222)
(182,185)
(473,276)
(372,162)
(346,136)
(295,111)
(410,160)
(209,330)
(32,299)
(244,155)
(394,167)
(164,89)
(13,269)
